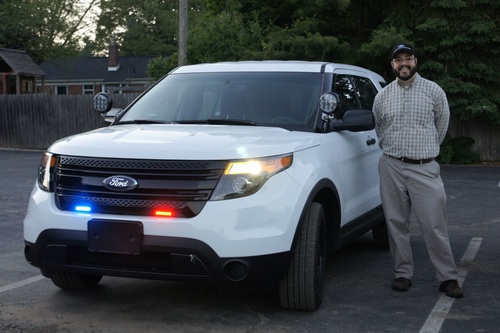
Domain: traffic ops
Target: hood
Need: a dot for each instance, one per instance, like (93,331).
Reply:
(176,141)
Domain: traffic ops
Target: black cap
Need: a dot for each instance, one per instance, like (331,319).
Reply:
(402,48)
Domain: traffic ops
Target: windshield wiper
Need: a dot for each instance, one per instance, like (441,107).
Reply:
(231,122)
(189,121)
(141,121)
(204,121)
(214,121)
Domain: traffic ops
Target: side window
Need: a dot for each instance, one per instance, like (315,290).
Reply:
(61,90)
(367,91)
(88,89)
(344,87)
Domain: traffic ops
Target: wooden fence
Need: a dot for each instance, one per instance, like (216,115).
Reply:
(36,121)
(485,134)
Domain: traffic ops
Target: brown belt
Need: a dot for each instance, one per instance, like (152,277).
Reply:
(410,161)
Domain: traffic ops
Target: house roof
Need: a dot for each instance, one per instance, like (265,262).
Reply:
(95,69)
(20,63)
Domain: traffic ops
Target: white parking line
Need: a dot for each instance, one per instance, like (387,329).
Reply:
(21,283)
(438,314)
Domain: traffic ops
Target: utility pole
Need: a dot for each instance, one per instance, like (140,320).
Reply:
(183,32)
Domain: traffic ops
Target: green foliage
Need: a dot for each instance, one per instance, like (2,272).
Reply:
(160,66)
(375,54)
(142,28)
(299,43)
(457,151)
(450,4)
(227,36)
(465,46)
(44,28)
(457,41)
(458,46)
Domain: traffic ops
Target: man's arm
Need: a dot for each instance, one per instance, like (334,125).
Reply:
(442,116)
(378,118)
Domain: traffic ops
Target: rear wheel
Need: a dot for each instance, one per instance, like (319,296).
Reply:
(70,280)
(381,236)
(302,287)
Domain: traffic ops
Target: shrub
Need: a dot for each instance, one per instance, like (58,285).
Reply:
(457,151)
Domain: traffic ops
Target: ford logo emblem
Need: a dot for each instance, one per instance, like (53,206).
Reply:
(120,183)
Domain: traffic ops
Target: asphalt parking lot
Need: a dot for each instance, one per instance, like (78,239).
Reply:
(358,297)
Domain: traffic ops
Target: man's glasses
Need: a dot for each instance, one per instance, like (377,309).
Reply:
(399,61)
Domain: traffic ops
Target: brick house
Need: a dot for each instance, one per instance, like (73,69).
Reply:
(90,75)
(19,73)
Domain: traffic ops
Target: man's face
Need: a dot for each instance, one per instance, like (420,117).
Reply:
(404,65)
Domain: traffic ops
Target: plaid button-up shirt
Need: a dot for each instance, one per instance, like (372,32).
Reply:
(411,122)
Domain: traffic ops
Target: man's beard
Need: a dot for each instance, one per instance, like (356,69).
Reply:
(413,70)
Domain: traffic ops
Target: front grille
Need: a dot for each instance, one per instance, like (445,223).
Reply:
(181,186)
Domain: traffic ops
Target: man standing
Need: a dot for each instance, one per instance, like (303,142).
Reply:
(411,117)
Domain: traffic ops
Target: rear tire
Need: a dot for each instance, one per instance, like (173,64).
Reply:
(381,236)
(70,280)
(302,287)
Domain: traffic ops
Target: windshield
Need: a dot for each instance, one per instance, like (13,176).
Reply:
(288,100)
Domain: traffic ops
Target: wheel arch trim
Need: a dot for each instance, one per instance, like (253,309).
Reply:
(324,192)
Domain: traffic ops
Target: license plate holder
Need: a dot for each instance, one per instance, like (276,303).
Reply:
(111,236)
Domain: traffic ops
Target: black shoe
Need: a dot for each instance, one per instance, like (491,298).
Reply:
(451,288)
(401,284)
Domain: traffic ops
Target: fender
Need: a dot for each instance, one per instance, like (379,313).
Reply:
(324,192)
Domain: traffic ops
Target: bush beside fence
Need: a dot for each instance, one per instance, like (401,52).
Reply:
(484,134)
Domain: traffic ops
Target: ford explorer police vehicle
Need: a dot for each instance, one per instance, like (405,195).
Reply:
(241,173)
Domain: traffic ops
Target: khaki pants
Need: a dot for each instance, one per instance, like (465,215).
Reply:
(416,187)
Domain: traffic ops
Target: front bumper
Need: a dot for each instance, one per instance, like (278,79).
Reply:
(163,258)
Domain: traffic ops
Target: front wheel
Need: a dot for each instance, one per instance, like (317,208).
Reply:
(302,287)
(70,280)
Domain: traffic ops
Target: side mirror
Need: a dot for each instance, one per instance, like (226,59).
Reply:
(355,121)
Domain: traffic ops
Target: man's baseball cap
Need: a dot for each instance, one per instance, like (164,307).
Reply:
(402,48)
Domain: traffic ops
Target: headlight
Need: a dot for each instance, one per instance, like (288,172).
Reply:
(242,178)
(45,171)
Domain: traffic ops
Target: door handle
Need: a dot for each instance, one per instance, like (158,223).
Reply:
(371,141)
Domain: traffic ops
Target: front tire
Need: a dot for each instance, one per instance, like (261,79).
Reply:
(302,287)
(70,280)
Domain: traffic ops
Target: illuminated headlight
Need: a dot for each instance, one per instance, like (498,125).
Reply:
(45,171)
(242,178)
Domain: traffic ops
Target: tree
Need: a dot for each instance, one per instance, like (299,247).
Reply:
(298,29)
(147,27)
(462,45)
(457,40)
(458,46)
(226,36)
(45,28)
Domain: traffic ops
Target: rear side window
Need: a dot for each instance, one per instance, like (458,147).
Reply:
(366,91)
(344,87)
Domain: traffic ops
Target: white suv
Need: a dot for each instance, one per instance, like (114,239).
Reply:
(240,173)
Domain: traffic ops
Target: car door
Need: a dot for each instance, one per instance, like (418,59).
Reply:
(359,150)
